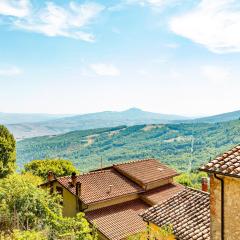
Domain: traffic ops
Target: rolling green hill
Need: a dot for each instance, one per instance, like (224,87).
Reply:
(171,143)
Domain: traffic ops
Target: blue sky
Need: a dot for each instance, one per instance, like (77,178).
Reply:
(168,56)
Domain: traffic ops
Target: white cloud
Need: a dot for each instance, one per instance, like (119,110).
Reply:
(16,8)
(54,20)
(10,71)
(214,24)
(103,69)
(216,74)
(155,4)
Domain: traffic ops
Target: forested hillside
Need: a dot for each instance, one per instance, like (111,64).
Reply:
(171,143)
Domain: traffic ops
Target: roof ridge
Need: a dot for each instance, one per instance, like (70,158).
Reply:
(196,190)
(86,173)
(134,161)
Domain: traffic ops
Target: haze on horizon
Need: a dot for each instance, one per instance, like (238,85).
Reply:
(75,57)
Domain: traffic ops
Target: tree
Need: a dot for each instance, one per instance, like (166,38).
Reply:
(7,152)
(32,213)
(42,167)
(24,204)
(192,179)
(153,232)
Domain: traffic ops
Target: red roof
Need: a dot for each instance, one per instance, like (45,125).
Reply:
(119,221)
(95,186)
(188,212)
(226,164)
(160,194)
(145,171)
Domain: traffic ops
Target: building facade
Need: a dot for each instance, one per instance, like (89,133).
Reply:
(225,195)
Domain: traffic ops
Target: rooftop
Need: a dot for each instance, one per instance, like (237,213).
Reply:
(125,178)
(226,164)
(119,221)
(188,212)
(96,185)
(160,194)
(145,171)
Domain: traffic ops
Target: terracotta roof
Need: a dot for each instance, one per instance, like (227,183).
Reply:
(145,171)
(95,185)
(119,221)
(160,194)
(188,212)
(226,164)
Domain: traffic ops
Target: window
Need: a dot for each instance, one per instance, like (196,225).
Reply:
(60,192)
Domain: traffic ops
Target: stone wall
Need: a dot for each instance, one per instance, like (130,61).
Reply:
(231,207)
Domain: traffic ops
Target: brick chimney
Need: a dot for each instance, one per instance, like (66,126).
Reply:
(50,176)
(204,184)
(74,179)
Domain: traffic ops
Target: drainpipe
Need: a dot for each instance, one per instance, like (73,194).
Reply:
(222,205)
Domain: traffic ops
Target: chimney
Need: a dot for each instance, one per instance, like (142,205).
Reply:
(78,188)
(50,176)
(204,184)
(74,179)
(110,189)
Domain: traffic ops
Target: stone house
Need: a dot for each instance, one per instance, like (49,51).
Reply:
(224,174)
(114,197)
(196,215)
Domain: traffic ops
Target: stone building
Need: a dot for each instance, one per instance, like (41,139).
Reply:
(225,195)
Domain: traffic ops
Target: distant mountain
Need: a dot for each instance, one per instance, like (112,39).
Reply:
(171,143)
(133,116)
(15,118)
(220,117)
(56,124)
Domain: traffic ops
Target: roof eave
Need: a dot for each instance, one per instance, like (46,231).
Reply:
(219,173)
(160,179)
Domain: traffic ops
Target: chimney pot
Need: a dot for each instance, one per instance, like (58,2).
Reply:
(110,188)
(50,176)
(204,184)
(74,179)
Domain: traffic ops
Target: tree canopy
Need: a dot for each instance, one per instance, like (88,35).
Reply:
(28,211)
(192,179)
(42,167)
(7,152)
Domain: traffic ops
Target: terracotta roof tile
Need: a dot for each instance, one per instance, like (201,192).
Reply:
(162,193)
(226,164)
(95,185)
(188,212)
(119,221)
(146,171)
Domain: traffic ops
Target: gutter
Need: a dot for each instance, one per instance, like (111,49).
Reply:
(222,205)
